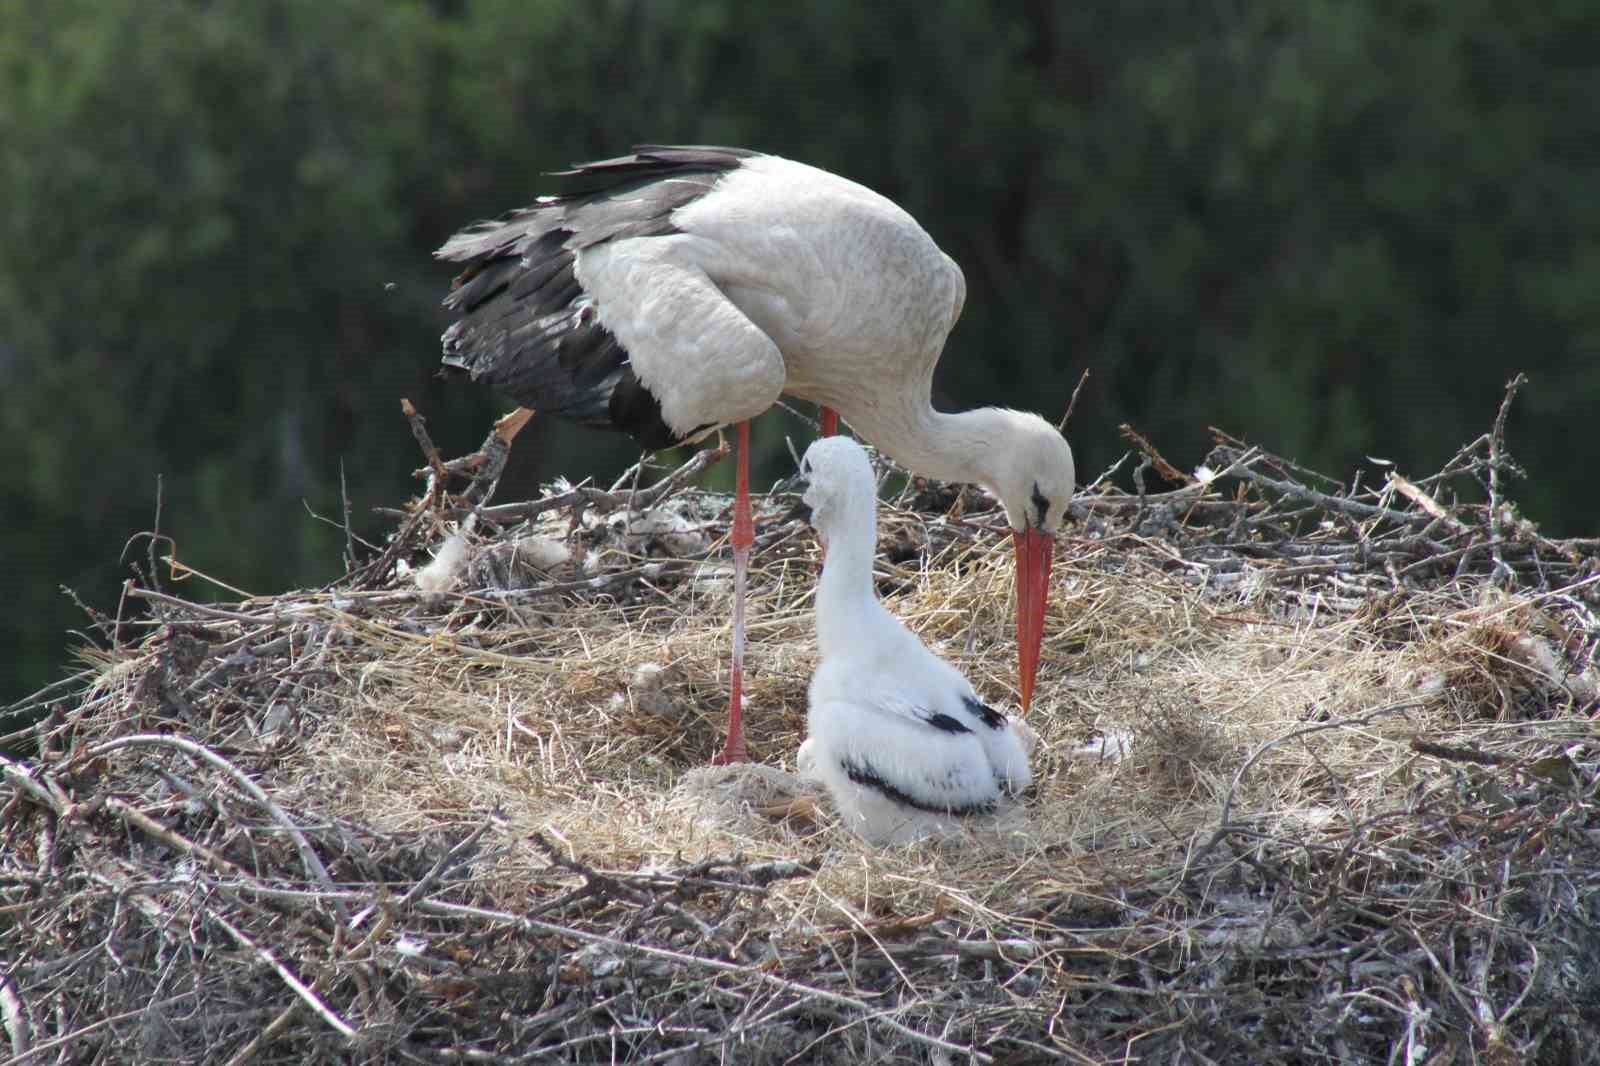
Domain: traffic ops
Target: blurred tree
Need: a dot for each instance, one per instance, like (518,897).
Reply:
(200,221)
(1336,228)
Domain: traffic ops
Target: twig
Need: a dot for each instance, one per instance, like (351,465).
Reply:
(24,781)
(1497,444)
(40,698)
(198,608)
(323,1011)
(868,1014)
(1417,496)
(599,498)
(349,534)
(419,430)
(1322,500)
(15,1015)
(1162,467)
(1061,426)
(308,855)
(699,461)
(1458,754)
(96,1025)
(426,882)
(1224,817)
(155,534)
(505,512)
(97,618)
(270,1033)
(142,821)
(765,873)
(375,570)
(595,884)
(598,583)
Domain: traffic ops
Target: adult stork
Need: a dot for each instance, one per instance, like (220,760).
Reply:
(678,290)
(898,735)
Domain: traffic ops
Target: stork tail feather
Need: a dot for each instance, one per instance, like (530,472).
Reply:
(526,324)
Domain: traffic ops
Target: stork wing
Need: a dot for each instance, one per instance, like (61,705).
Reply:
(608,199)
(917,758)
(701,358)
(529,323)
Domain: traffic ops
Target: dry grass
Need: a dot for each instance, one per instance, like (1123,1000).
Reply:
(1285,811)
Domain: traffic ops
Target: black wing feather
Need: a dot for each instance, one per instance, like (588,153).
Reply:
(525,324)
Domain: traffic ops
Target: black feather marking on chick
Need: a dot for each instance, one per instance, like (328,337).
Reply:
(865,774)
(985,714)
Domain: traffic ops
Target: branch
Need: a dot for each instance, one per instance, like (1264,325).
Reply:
(1083,378)
(1337,504)
(314,868)
(1497,445)
(533,925)
(699,461)
(197,608)
(1457,754)
(1164,468)
(98,1024)
(419,430)
(265,1037)
(1223,818)
(446,861)
(15,1015)
(300,989)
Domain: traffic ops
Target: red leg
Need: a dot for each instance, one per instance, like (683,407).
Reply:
(829,427)
(742,536)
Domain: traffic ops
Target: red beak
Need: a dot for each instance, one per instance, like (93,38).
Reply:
(1035,550)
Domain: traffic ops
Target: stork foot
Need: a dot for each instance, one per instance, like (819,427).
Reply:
(733,751)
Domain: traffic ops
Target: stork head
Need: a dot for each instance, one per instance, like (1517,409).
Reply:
(1030,468)
(839,482)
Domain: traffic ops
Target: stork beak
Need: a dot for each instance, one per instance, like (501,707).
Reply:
(1035,549)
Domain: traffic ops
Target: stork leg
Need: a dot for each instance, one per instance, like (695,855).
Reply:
(828,420)
(742,536)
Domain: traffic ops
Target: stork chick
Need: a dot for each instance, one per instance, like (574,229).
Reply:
(897,735)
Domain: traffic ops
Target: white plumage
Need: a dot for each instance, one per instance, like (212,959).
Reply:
(898,735)
(688,288)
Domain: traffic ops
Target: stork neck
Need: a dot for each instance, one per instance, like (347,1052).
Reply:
(845,593)
(954,447)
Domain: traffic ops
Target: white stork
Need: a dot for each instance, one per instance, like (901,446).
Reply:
(897,735)
(683,289)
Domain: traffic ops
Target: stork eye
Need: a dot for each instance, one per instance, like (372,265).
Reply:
(1040,505)
(805,468)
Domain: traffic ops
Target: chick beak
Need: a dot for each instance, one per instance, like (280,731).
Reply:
(1035,550)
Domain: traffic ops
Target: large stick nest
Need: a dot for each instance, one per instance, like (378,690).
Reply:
(1317,781)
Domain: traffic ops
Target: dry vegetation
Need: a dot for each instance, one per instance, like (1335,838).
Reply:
(1318,783)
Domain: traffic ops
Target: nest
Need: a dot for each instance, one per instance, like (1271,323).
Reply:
(1317,781)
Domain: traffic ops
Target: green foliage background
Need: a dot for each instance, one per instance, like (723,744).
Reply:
(1336,228)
